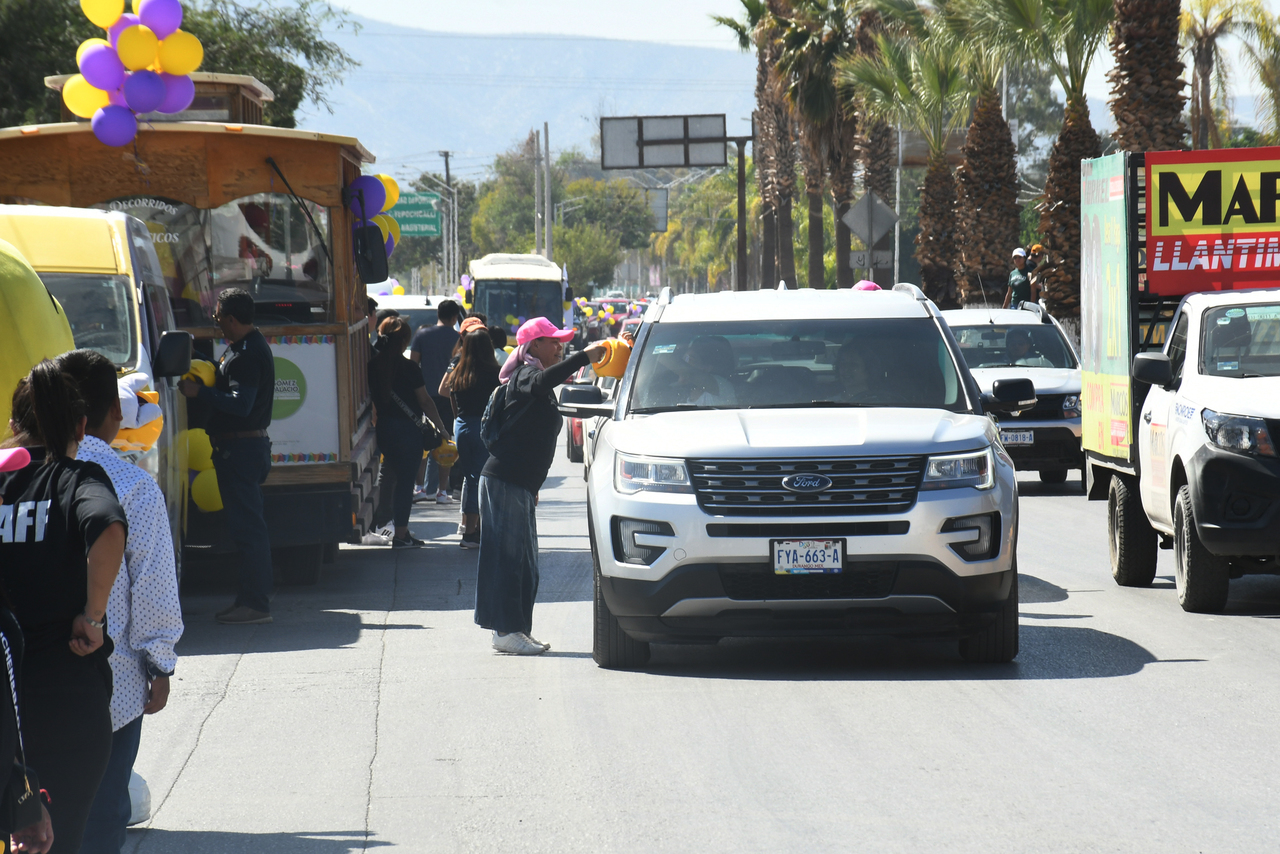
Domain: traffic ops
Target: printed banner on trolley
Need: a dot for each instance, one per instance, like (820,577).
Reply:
(1212,220)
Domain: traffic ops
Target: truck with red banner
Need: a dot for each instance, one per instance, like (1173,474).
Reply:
(1180,340)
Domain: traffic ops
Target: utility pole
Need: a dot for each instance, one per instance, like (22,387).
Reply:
(740,274)
(546,188)
(537,193)
(447,180)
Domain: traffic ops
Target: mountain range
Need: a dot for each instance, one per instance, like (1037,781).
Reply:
(418,92)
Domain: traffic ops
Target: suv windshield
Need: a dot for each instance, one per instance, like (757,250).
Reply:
(1025,345)
(796,363)
(1239,341)
(97,307)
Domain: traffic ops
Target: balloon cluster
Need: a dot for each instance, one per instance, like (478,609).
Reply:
(371,197)
(142,66)
(514,323)
(464,292)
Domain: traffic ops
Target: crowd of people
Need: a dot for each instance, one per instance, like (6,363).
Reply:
(448,381)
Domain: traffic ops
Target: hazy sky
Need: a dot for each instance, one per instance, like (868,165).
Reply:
(670,21)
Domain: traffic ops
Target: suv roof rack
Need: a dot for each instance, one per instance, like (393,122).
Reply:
(665,296)
(1036,309)
(782,285)
(911,291)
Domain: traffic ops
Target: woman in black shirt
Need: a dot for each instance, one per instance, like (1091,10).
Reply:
(394,380)
(470,383)
(62,536)
(507,576)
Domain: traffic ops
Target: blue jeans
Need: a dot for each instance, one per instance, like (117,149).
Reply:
(472,455)
(507,576)
(242,465)
(109,816)
(400,441)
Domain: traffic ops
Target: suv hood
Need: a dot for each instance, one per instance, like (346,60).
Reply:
(881,431)
(1259,396)
(1047,380)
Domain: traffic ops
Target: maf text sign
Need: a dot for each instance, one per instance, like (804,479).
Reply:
(648,142)
(418,214)
(1211,220)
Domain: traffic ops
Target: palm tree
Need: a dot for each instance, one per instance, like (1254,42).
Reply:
(813,36)
(987,211)
(1262,50)
(1146,83)
(1203,24)
(878,141)
(919,83)
(1066,35)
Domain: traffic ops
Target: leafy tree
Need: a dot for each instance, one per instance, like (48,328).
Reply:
(282,46)
(38,39)
(591,252)
(503,219)
(616,205)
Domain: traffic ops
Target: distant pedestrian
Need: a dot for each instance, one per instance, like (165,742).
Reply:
(1035,257)
(63,539)
(498,336)
(507,576)
(431,350)
(144,618)
(395,384)
(469,385)
(242,396)
(1021,288)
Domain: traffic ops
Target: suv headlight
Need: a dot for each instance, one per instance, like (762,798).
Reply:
(1238,433)
(632,474)
(974,469)
(1071,406)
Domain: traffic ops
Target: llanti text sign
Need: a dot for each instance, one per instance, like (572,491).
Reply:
(1212,220)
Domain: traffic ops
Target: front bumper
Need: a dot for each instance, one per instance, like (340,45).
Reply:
(1236,501)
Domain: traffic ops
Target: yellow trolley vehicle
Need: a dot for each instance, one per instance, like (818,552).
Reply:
(230,204)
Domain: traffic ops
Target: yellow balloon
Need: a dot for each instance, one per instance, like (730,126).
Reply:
(393,192)
(88,43)
(137,47)
(82,98)
(103,13)
(381,222)
(447,454)
(204,491)
(398,290)
(395,231)
(199,451)
(201,371)
(181,53)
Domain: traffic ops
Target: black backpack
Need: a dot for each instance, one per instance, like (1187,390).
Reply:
(499,416)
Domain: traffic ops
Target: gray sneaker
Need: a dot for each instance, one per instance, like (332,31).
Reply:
(244,616)
(517,643)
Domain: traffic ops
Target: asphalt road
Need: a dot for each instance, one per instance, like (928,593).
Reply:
(373,714)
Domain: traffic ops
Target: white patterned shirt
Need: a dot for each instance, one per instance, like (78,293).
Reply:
(144,617)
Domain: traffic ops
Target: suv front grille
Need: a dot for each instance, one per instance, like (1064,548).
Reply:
(859,486)
(757,581)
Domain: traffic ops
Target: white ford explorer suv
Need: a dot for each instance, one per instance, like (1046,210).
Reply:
(798,463)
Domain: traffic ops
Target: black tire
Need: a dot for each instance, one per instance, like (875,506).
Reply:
(998,642)
(1203,579)
(298,565)
(1053,475)
(611,647)
(1132,541)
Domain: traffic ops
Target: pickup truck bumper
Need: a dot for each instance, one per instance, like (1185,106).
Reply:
(1236,501)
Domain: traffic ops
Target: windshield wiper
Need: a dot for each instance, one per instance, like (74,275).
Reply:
(675,407)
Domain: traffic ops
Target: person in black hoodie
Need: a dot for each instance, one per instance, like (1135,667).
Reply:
(507,576)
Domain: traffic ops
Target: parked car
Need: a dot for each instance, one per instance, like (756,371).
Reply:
(1027,342)
(800,463)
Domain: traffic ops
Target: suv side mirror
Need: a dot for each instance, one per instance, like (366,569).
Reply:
(1010,395)
(370,252)
(583,400)
(173,356)
(1153,369)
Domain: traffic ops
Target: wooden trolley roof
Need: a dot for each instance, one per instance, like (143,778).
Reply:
(204,164)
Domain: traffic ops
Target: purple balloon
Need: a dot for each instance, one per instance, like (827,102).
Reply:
(375,196)
(144,91)
(127,20)
(391,246)
(179,93)
(102,67)
(116,96)
(164,17)
(114,126)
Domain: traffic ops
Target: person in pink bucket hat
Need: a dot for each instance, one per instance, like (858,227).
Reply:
(519,458)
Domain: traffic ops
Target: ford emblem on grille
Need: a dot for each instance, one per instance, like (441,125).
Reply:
(806,482)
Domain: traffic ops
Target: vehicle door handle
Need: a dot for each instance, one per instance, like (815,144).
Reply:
(1146,416)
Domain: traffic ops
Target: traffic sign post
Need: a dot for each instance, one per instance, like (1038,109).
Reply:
(870,219)
(418,214)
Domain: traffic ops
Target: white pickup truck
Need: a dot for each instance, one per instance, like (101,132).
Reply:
(1209,481)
